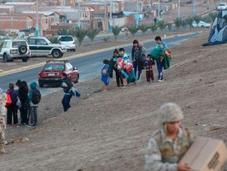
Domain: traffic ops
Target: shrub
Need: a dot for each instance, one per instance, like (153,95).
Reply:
(143,28)
(133,30)
(80,34)
(116,31)
(92,33)
(178,22)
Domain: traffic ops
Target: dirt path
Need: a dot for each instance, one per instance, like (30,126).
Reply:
(109,130)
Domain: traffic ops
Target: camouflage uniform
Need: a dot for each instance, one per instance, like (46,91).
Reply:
(163,153)
(2,121)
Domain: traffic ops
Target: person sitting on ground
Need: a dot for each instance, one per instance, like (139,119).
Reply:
(168,144)
(105,74)
(149,63)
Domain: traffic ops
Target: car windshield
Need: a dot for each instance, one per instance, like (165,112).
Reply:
(16,44)
(54,67)
(66,38)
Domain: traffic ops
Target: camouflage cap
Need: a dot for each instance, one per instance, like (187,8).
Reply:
(171,112)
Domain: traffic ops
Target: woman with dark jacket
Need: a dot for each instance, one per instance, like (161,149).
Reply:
(23,96)
(137,58)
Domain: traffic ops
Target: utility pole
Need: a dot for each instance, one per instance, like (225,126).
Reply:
(105,17)
(137,5)
(193,8)
(159,8)
(178,11)
(37,31)
(79,23)
(111,15)
(208,1)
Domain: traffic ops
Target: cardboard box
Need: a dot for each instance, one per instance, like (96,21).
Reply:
(206,154)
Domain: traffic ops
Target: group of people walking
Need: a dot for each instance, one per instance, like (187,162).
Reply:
(24,99)
(129,70)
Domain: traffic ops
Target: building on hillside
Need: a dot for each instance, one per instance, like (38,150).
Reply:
(102,11)
(22,6)
(74,16)
(7,9)
(46,19)
(15,22)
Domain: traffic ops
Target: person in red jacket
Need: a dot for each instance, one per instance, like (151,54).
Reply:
(11,105)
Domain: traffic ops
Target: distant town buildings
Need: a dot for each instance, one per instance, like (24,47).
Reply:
(54,15)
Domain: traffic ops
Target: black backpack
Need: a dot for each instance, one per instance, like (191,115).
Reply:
(36,96)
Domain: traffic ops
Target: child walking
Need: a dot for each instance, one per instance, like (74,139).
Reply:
(149,63)
(105,74)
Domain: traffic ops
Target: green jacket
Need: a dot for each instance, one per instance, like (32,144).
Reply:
(158,51)
(166,61)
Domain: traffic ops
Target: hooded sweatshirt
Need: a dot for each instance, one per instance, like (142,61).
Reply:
(33,86)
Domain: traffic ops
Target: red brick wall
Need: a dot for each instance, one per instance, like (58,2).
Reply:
(14,22)
(130,20)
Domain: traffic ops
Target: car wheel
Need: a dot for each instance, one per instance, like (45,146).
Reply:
(56,53)
(5,58)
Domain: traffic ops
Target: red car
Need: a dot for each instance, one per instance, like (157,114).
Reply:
(52,73)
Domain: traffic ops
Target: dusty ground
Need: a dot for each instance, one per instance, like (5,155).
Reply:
(109,130)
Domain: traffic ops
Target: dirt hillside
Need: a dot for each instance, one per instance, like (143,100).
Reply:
(109,131)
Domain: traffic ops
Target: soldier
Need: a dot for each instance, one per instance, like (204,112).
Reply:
(2,121)
(169,144)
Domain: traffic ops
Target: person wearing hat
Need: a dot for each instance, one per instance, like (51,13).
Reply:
(169,144)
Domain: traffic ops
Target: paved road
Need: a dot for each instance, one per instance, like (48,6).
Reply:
(89,66)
